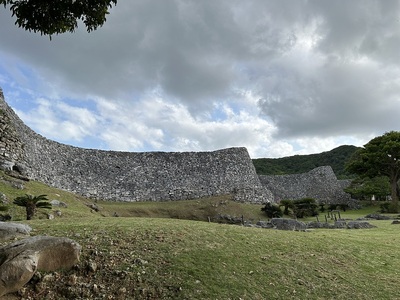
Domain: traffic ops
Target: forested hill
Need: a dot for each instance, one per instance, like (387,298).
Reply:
(335,158)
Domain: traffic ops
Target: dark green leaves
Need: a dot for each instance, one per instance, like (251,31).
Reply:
(55,17)
(39,201)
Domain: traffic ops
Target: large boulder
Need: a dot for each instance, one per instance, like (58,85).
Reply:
(288,224)
(359,225)
(12,230)
(20,260)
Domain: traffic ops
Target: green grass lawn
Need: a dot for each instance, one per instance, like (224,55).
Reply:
(200,260)
(144,254)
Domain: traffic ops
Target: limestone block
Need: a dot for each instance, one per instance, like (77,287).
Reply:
(359,225)
(12,230)
(20,260)
(288,224)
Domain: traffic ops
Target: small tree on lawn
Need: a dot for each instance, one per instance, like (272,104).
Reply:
(286,204)
(272,210)
(31,203)
(305,207)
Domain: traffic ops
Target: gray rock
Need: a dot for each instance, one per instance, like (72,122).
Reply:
(58,203)
(359,225)
(6,165)
(377,217)
(315,224)
(20,260)
(340,224)
(3,198)
(12,230)
(264,224)
(288,224)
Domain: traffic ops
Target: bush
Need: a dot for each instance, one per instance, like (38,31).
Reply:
(286,204)
(306,207)
(385,207)
(332,207)
(272,210)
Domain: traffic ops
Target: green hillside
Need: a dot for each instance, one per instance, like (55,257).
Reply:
(335,158)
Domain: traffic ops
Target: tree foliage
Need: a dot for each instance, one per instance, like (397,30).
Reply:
(300,208)
(287,204)
(305,207)
(336,158)
(55,17)
(380,157)
(31,203)
(365,188)
(272,210)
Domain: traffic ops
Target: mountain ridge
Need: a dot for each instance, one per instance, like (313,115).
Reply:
(336,158)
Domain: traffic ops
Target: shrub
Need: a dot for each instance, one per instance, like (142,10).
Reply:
(286,204)
(332,206)
(306,207)
(385,207)
(4,217)
(272,210)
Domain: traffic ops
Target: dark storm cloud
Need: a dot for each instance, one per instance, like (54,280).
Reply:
(321,68)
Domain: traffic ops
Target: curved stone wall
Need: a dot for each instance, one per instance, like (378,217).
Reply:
(127,176)
(320,183)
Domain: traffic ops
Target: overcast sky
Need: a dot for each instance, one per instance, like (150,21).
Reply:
(278,77)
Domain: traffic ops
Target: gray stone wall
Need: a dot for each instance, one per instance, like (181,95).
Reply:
(11,145)
(127,176)
(320,183)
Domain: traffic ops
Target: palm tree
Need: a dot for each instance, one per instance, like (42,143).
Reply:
(31,203)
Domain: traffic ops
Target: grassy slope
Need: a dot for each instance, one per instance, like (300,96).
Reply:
(157,258)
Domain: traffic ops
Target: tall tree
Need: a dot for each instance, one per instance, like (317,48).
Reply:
(54,17)
(380,157)
(368,187)
(31,203)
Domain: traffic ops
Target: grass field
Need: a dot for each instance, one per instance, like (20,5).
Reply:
(144,254)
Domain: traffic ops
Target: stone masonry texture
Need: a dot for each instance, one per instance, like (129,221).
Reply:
(127,176)
(320,183)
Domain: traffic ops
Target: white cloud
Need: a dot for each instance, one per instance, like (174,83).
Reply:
(279,77)
(60,121)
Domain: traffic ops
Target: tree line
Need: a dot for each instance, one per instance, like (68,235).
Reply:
(336,158)
(374,169)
